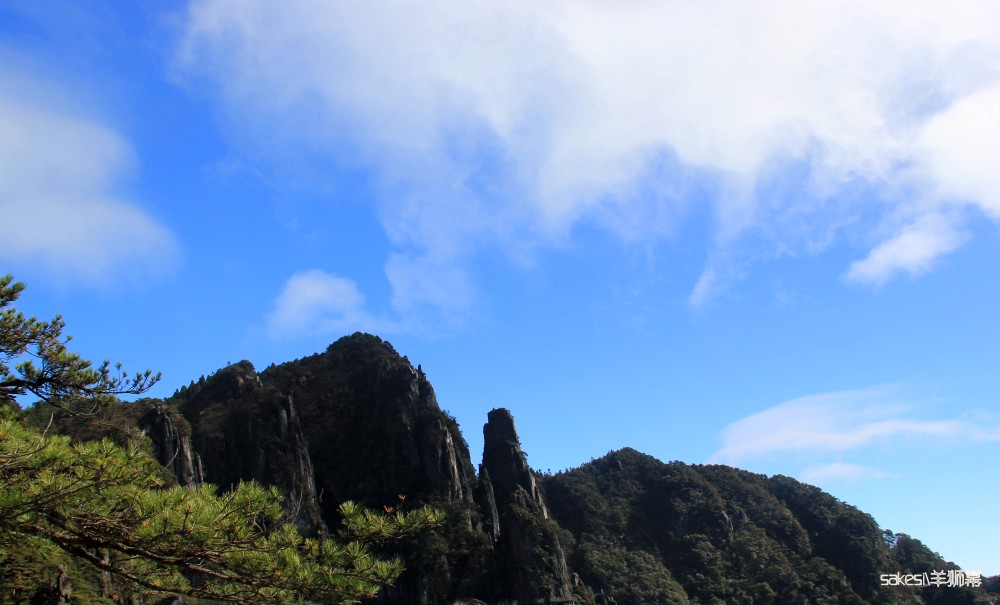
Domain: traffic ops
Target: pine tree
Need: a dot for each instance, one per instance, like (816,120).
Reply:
(108,507)
(44,365)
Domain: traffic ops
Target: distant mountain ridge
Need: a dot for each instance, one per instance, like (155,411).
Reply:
(359,422)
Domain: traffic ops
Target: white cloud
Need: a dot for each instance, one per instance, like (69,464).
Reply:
(840,473)
(704,289)
(838,422)
(961,147)
(540,115)
(58,199)
(317,303)
(428,281)
(912,250)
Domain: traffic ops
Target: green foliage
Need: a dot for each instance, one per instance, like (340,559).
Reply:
(31,571)
(72,511)
(630,577)
(77,418)
(102,516)
(107,505)
(913,556)
(44,367)
(373,427)
(715,534)
(710,534)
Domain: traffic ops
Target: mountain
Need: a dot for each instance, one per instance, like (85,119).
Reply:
(645,531)
(359,422)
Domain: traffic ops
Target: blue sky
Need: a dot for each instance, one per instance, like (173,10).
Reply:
(756,234)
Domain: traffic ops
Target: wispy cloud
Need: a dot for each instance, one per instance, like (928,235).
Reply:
(59,176)
(841,473)
(912,250)
(315,302)
(840,422)
(505,125)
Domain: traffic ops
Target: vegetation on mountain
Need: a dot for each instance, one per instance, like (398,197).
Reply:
(73,511)
(109,502)
(372,432)
(715,534)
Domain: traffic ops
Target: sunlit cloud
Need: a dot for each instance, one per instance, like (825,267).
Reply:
(844,421)
(317,303)
(959,149)
(59,177)
(505,125)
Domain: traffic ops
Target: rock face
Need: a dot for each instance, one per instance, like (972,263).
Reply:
(376,433)
(507,465)
(357,422)
(374,427)
(531,561)
(172,447)
(244,430)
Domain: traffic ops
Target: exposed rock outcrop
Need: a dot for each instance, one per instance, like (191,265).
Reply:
(486,498)
(374,427)
(171,445)
(244,430)
(376,433)
(530,558)
(507,465)
(359,422)
(356,422)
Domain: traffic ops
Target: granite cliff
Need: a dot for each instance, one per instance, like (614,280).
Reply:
(530,557)
(359,422)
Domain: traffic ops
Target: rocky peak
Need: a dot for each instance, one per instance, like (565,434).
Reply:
(364,406)
(531,561)
(356,422)
(507,464)
(247,431)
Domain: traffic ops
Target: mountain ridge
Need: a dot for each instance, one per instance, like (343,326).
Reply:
(359,422)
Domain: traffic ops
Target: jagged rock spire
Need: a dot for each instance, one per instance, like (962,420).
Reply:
(520,524)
